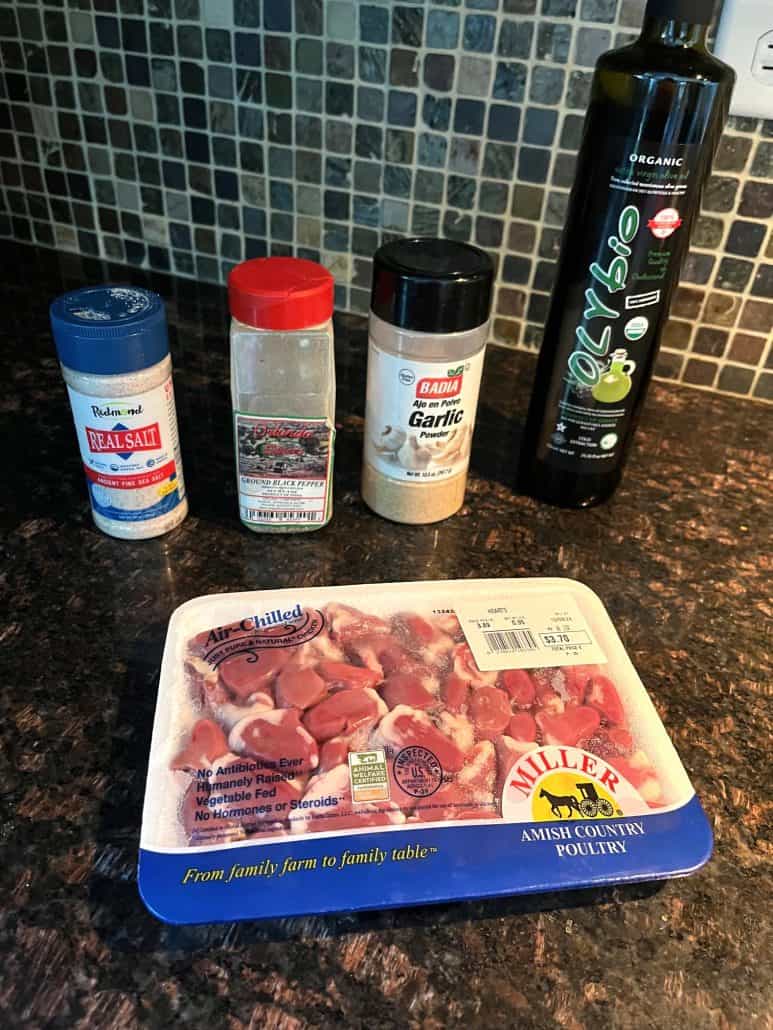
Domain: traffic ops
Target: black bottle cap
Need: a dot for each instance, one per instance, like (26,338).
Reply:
(696,12)
(432,286)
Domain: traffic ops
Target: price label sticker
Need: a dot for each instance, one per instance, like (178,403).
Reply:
(546,631)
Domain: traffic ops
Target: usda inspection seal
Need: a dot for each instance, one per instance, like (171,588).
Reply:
(417,771)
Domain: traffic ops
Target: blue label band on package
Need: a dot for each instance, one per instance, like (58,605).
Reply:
(384,870)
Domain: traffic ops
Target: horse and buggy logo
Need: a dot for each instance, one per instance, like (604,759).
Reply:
(590,802)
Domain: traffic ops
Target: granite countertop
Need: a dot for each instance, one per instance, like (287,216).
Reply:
(680,556)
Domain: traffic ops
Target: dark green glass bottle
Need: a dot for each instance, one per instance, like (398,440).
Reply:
(656,114)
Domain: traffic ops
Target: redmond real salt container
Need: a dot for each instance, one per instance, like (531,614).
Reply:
(114,355)
(372,746)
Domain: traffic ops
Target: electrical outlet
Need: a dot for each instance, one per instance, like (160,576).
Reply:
(745,42)
(762,65)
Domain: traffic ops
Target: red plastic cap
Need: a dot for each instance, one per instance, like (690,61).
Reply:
(280,293)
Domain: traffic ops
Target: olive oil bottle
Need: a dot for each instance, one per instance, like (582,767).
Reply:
(656,114)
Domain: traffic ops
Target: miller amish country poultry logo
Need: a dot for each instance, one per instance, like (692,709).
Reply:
(551,784)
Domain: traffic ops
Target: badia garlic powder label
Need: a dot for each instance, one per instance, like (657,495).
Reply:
(420,415)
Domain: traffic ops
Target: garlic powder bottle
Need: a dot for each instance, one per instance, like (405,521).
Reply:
(114,354)
(430,305)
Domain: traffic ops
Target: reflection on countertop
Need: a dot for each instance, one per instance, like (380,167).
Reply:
(680,556)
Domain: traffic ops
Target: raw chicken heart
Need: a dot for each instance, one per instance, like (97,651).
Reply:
(406,689)
(299,688)
(568,728)
(342,712)
(244,674)
(407,727)
(207,743)
(603,695)
(523,727)
(455,693)
(277,739)
(490,711)
(341,675)
(520,686)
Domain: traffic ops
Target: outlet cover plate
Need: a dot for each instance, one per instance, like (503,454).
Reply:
(745,42)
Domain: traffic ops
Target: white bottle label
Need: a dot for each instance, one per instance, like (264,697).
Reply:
(131,452)
(420,415)
(284,469)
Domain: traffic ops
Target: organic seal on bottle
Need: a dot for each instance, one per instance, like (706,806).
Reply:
(428,324)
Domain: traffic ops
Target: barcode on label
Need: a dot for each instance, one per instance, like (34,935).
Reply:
(256,515)
(498,641)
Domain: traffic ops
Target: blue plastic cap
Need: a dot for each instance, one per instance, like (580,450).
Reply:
(109,330)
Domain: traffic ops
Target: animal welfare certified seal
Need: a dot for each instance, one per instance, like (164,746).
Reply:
(417,771)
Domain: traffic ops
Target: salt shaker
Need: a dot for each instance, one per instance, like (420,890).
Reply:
(114,354)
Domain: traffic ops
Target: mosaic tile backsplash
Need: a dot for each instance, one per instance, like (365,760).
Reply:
(187,135)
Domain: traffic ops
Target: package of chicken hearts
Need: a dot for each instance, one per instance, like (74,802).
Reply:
(324,749)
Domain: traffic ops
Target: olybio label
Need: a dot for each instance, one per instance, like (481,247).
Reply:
(612,319)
